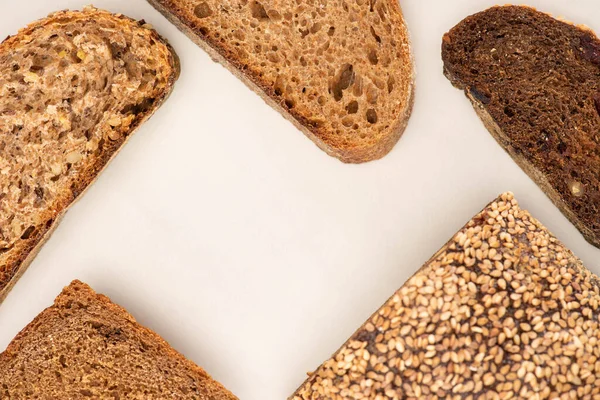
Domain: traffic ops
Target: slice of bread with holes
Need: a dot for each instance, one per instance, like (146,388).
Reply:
(341,71)
(85,346)
(73,88)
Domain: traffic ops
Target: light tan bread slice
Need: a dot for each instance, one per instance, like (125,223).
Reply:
(85,346)
(340,70)
(503,310)
(73,87)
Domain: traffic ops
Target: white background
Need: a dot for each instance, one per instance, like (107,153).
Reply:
(256,255)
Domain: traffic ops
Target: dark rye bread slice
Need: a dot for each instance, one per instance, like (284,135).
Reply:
(502,311)
(84,346)
(535,83)
(340,71)
(73,88)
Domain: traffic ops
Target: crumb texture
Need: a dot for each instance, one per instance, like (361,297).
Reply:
(341,68)
(73,86)
(84,346)
(539,80)
(502,311)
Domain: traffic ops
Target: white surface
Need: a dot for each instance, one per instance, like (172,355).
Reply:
(225,230)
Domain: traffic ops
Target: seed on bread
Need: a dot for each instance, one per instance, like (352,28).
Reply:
(502,311)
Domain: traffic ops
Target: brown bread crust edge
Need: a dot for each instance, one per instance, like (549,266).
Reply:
(219,392)
(28,248)
(523,162)
(260,87)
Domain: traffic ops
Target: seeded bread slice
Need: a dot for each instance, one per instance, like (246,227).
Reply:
(73,88)
(535,83)
(340,71)
(503,310)
(84,346)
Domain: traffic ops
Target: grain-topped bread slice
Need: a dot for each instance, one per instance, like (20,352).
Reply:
(73,87)
(502,311)
(340,71)
(84,346)
(535,83)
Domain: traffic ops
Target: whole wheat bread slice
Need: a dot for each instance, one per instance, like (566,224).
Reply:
(535,83)
(84,346)
(73,88)
(341,71)
(503,310)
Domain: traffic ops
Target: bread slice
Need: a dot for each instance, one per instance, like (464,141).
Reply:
(503,310)
(340,71)
(535,83)
(73,88)
(84,346)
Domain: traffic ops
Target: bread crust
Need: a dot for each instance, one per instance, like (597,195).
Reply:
(559,199)
(78,289)
(261,87)
(25,250)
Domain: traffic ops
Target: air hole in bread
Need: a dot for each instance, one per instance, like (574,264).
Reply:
(27,234)
(343,80)
(372,56)
(331,31)
(316,27)
(372,94)
(279,86)
(390,84)
(347,122)
(258,11)
(371,116)
(509,112)
(381,11)
(352,107)
(202,10)
(274,15)
(289,103)
(375,35)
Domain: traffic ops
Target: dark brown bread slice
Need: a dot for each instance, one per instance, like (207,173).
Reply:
(73,88)
(340,71)
(502,311)
(84,346)
(535,83)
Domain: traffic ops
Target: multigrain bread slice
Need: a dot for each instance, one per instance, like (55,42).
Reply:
(535,83)
(73,88)
(341,71)
(85,346)
(503,310)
